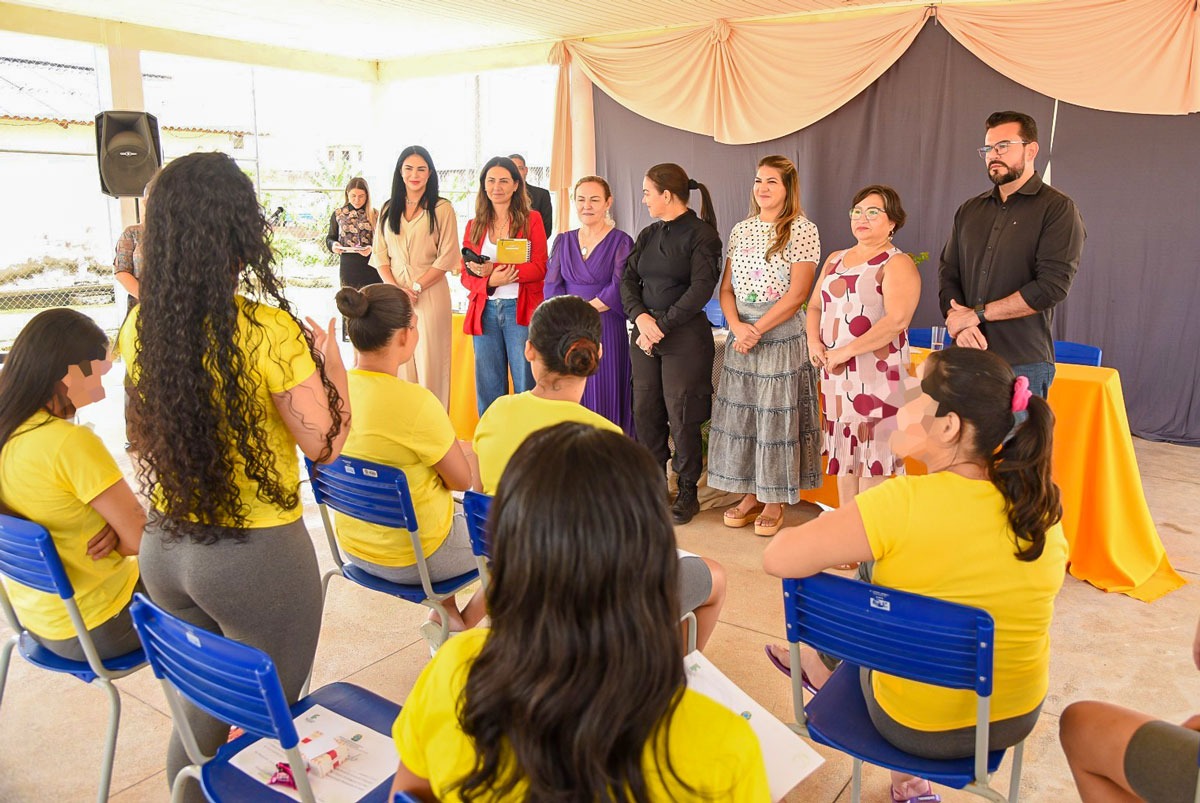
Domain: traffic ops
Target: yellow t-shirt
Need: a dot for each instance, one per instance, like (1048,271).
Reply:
(943,535)
(399,424)
(711,748)
(276,353)
(511,419)
(50,469)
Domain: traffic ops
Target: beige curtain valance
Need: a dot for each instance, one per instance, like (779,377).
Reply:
(746,82)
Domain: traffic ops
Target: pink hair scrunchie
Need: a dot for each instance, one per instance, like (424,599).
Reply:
(1021,394)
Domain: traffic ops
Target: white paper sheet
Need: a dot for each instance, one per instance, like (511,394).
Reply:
(371,762)
(789,758)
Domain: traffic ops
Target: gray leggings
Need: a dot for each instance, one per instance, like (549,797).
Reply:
(264,591)
(112,638)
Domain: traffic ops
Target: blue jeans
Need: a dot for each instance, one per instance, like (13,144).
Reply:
(1040,375)
(499,351)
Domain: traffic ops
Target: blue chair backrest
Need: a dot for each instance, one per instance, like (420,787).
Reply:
(715,316)
(898,633)
(921,338)
(476,506)
(235,683)
(1077,353)
(364,490)
(28,555)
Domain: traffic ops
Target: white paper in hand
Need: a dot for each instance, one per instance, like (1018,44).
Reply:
(789,758)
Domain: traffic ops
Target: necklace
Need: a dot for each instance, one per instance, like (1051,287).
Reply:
(584,250)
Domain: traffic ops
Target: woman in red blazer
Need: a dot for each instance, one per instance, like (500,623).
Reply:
(503,296)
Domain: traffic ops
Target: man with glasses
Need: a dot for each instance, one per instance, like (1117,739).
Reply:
(1011,256)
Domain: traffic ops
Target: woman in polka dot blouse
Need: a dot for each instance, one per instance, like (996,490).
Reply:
(765,441)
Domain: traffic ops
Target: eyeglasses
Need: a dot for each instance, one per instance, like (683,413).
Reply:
(872,213)
(1000,148)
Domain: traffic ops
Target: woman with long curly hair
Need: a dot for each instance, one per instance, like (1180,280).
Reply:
(577,691)
(503,296)
(227,383)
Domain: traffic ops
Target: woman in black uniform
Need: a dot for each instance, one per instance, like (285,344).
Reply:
(669,277)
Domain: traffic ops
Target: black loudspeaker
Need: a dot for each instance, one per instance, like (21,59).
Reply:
(128,150)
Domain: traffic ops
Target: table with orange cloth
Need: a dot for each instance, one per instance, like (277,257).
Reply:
(1114,543)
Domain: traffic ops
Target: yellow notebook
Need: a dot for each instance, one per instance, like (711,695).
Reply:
(513,252)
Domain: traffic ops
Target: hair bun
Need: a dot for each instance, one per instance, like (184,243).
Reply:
(581,356)
(352,303)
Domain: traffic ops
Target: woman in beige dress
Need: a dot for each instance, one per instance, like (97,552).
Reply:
(415,247)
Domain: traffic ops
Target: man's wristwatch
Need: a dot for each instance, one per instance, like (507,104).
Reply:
(979,312)
(416,286)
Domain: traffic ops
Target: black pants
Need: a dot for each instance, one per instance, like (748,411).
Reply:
(672,395)
(356,271)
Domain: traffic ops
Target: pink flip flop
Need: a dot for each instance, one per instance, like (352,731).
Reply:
(928,797)
(782,667)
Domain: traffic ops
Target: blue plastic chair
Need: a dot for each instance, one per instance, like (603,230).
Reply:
(29,557)
(238,684)
(715,316)
(921,338)
(476,506)
(1066,351)
(906,635)
(379,494)
(404,797)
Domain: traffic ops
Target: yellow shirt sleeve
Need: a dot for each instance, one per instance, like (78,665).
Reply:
(885,513)
(407,730)
(85,466)
(436,436)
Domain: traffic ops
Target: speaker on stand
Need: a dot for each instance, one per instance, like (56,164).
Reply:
(128,150)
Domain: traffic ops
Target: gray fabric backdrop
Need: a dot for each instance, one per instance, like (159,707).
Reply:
(1136,180)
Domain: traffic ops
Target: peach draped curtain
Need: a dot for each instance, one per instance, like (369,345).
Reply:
(746,82)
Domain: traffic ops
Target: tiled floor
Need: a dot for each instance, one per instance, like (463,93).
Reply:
(1104,646)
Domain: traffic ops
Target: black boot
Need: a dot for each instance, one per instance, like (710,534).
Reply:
(686,504)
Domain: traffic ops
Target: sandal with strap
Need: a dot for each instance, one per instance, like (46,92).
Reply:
(785,669)
(740,521)
(768,527)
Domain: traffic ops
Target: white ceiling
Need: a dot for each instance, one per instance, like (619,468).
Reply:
(395,29)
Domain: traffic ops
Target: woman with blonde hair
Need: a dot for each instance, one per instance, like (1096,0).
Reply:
(765,441)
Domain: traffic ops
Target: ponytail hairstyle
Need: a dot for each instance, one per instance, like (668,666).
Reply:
(668,177)
(429,201)
(979,387)
(565,332)
(374,313)
(485,213)
(579,677)
(792,207)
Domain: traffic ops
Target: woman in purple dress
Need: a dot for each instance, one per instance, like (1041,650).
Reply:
(588,262)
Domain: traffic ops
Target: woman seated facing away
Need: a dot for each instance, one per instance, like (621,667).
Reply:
(402,424)
(59,475)
(981,529)
(564,350)
(577,691)
(1117,754)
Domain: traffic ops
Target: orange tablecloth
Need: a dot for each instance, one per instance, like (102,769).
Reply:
(1114,543)
(463,412)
